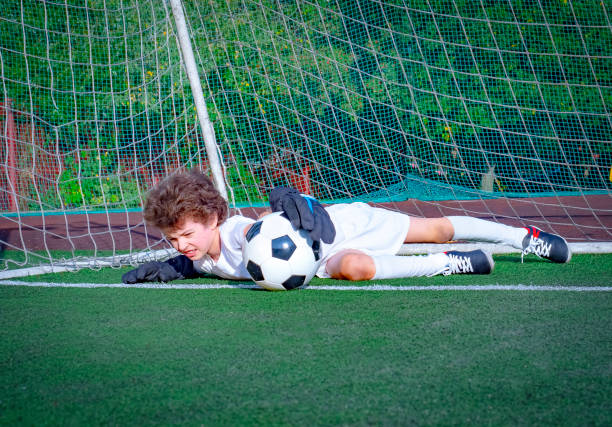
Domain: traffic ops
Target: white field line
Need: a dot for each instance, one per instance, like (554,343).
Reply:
(373,287)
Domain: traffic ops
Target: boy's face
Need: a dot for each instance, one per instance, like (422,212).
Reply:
(195,239)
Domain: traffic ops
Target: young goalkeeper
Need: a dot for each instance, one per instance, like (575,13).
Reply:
(358,242)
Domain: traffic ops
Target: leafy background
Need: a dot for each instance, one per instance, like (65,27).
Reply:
(342,99)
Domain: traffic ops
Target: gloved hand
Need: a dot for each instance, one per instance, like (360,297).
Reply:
(154,271)
(303,212)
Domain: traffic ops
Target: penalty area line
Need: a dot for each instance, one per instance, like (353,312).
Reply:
(373,287)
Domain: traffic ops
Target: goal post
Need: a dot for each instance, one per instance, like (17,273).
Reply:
(97,109)
(499,110)
(198,97)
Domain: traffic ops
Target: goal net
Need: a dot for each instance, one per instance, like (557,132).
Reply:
(500,110)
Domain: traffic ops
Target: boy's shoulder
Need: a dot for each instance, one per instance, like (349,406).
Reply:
(238,219)
(231,232)
(236,223)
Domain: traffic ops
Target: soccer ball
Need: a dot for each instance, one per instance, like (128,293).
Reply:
(278,256)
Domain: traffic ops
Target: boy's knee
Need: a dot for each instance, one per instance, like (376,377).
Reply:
(430,230)
(357,267)
(444,231)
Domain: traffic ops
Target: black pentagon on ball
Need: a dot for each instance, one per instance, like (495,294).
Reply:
(283,247)
(255,271)
(293,282)
(253,231)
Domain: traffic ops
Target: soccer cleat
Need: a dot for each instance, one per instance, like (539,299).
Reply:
(472,262)
(545,245)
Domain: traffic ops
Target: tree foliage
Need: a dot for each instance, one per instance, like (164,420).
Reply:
(355,93)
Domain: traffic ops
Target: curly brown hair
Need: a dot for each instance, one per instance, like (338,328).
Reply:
(184,195)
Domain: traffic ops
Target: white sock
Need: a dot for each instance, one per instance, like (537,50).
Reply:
(394,266)
(469,228)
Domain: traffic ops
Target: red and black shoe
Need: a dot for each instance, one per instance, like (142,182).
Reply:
(545,245)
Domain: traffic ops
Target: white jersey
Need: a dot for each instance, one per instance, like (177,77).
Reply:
(374,231)
(229,265)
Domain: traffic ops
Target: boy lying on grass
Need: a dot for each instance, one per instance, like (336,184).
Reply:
(358,242)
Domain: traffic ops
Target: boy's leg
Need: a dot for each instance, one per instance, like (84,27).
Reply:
(429,230)
(529,240)
(441,230)
(351,264)
(480,230)
(356,265)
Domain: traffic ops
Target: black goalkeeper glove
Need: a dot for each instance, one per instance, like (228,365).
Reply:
(176,268)
(153,271)
(303,212)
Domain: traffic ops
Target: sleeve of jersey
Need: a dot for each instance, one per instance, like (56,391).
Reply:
(236,236)
(229,265)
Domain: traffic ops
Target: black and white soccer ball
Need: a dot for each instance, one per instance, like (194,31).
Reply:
(278,256)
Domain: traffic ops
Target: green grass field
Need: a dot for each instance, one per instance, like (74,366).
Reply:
(82,356)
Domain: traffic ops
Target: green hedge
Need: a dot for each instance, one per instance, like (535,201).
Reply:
(363,94)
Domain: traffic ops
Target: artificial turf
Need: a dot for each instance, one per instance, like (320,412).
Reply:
(75,356)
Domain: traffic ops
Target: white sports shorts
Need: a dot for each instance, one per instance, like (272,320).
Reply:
(374,231)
